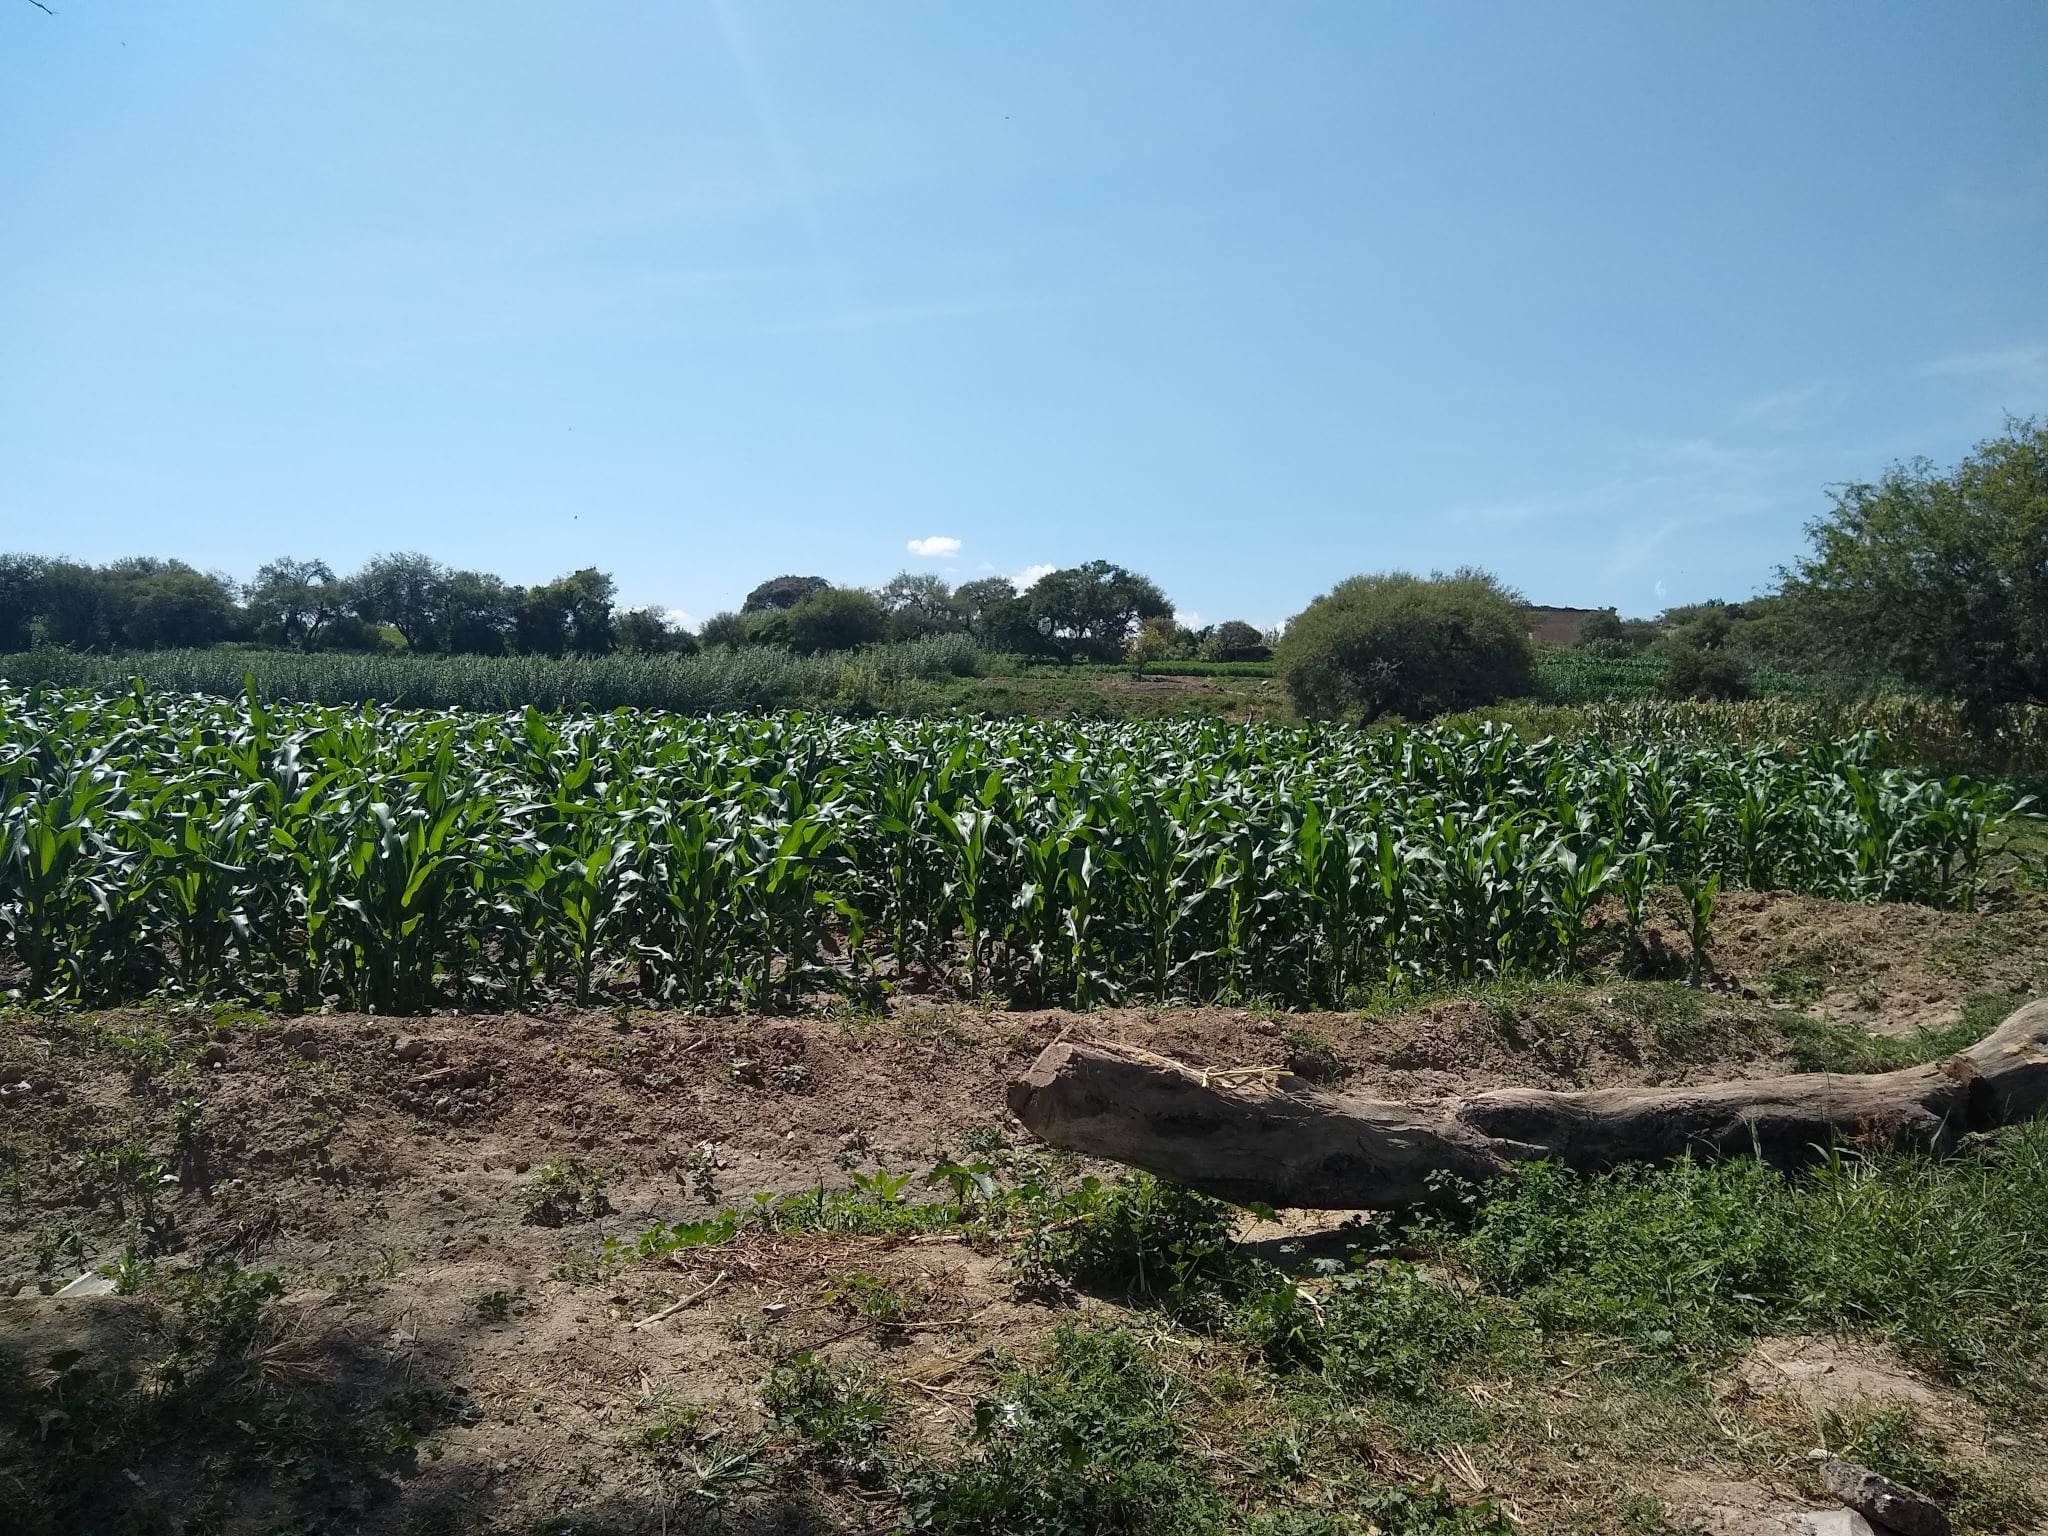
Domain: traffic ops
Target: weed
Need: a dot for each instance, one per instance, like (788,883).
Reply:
(1944,1257)
(1311,1057)
(494,1306)
(562,1192)
(866,1296)
(836,1411)
(1801,979)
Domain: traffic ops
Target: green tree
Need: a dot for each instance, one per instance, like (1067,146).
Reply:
(1090,611)
(997,617)
(21,591)
(292,602)
(919,603)
(571,614)
(782,592)
(149,605)
(477,614)
(1407,645)
(648,632)
(407,591)
(727,629)
(837,619)
(1235,640)
(1941,579)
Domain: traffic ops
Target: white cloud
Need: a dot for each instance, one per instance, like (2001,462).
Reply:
(679,618)
(2006,364)
(1659,589)
(940,546)
(1187,618)
(1027,578)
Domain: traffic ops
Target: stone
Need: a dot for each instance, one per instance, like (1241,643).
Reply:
(215,1055)
(1882,1501)
(409,1048)
(303,1039)
(1835,1522)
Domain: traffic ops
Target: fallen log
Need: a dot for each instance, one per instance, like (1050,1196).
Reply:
(1260,1135)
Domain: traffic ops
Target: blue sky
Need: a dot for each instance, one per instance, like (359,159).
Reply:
(1248,297)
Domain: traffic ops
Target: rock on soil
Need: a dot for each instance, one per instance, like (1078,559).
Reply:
(1889,1505)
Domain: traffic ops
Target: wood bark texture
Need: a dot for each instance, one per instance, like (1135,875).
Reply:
(1260,1135)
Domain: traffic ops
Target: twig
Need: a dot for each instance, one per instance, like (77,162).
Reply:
(688,1301)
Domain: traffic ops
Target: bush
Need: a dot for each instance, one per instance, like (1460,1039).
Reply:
(1699,674)
(837,619)
(1407,645)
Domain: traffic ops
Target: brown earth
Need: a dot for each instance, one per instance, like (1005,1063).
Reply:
(387,1169)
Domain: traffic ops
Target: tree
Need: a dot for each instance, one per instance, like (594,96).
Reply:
(1091,611)
(997,617)
(572,613)
(1942,579)
(406,591)
(648,632)
(151,605)
(1235,640)
(782,592)
(1407,645)
(293,601)
(21,581)
(477,615)
(727,629)
(919,603)
(837,619)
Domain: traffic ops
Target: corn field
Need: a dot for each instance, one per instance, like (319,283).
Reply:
(394,861)
(755,678)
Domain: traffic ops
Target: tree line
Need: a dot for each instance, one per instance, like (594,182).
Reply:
(1096,611)
(1935,579)
(406,601)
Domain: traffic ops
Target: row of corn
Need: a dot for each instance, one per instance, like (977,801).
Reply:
(398,861)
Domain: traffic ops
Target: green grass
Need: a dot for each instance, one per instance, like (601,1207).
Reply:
(1890,1440)
(1819,1045)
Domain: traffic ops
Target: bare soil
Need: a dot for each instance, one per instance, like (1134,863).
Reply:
(387,1170)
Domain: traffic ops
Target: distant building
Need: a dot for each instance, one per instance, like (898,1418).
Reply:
(1557,626)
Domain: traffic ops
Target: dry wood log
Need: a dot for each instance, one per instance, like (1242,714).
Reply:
(1263,1136)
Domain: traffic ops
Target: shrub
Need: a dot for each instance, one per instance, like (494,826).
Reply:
(1703,674)
(1407,645)
(837,619)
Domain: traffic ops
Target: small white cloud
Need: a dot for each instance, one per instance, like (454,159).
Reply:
(1027,578)
(677,617)
(2002,364)
(940,546)
(1659,589)
(1187,618)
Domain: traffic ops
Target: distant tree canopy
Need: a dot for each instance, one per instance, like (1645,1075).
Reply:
(648,632)
(1399,644)
(782,592)
(997,617)
(1235,640)
(1941,579)
(837,619)
(1090,612)
(399,600)
(919,603)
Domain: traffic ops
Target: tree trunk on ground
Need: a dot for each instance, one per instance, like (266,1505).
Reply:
(1259,1135)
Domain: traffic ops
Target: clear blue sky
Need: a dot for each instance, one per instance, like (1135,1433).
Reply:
(1249,297)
